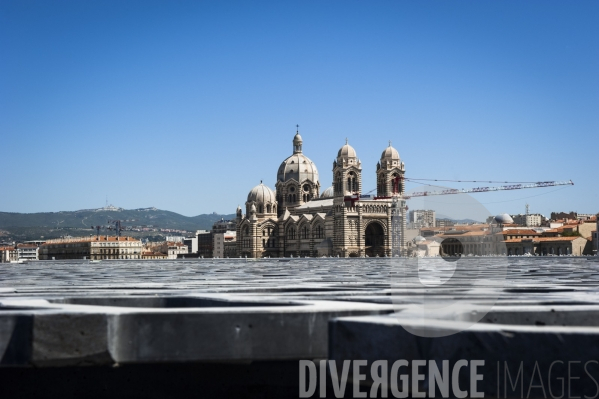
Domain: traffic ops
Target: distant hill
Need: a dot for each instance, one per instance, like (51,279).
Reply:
(84,219)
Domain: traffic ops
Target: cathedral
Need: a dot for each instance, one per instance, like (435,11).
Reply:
(298,220)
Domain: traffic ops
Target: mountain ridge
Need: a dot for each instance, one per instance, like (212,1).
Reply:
(85,218)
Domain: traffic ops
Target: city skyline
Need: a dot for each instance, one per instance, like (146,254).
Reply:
(186,107)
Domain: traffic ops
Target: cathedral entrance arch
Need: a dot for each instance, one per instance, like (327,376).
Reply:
(375,240)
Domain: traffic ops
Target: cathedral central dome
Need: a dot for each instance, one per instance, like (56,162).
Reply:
(297,166)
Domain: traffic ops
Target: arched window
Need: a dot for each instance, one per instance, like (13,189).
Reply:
(381,186)
(291,233)
(338,184)
(396,183)
(268,208)
(294,198)
(352,182)
(318,231)
(305,233)
(261,209)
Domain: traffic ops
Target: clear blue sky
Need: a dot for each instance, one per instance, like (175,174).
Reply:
(186,106)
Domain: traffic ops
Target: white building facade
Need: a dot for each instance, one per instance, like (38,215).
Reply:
(223,243)
(28,252)
(420,218)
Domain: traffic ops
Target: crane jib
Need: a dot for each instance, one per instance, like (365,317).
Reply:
(487,189)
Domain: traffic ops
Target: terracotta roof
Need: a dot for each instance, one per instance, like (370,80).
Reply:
(465,227)
(7,248)
(558,230)
(521,232)
(467,234)
(26,246)
(566,221)
(90,239)
(557,238)
(542,239)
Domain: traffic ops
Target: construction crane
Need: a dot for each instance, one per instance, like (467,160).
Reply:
(399,202)
(511,186)
(112,225)
(488,189)
(117,226)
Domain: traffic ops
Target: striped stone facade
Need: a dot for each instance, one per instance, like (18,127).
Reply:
(339,222)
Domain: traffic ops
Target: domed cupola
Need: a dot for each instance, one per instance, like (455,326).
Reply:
(297,143)
(390,157)
(263,199)
(390,171)
(504,218)
(347,154)
(347,172)
(328,193)
(297,178)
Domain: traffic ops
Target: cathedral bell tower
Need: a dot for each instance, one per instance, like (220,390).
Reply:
(347,172)
(389,173)
(347,181)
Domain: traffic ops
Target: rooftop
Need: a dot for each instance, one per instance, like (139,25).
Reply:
(90,239)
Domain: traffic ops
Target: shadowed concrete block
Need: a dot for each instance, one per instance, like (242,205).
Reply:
(217,327)
(511,347)
(70,339)
(295,332)
(15,339)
